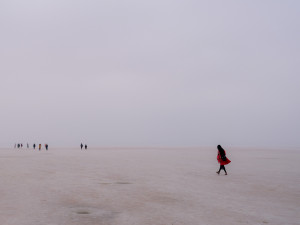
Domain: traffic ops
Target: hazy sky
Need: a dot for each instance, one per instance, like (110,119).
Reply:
(150,73)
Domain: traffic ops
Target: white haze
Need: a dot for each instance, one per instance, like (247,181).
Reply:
(150,73)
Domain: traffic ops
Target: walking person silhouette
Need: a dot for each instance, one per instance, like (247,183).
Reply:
(222,159)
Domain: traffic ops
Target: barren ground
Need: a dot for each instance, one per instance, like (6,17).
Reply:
(135,186)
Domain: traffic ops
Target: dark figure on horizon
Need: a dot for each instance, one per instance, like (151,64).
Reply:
(21,145)
(40,146)
(33,146)
(46,146)
(85,146)
(27,145)
(222,159)
(18,145)
(81,146)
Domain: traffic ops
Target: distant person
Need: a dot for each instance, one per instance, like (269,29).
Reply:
(40,146)
(21,145)
(85,146)
(27,145)
(33,146)
(46,146)
(18,145)
(81,146)
(222,159)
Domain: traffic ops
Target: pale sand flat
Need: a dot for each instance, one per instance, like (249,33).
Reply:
(148,187)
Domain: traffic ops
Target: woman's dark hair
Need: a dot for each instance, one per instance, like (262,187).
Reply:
(221,150)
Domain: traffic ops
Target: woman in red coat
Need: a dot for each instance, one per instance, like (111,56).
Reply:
(222,159)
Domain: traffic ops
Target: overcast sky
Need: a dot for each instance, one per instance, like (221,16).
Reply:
(150,73)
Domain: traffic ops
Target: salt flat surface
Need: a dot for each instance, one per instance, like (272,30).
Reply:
(133,186)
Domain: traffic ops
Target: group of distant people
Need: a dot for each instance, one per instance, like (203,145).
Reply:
(34,146)
(85,146)
(46,146)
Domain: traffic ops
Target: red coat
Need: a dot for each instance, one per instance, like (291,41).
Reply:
(227,161)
